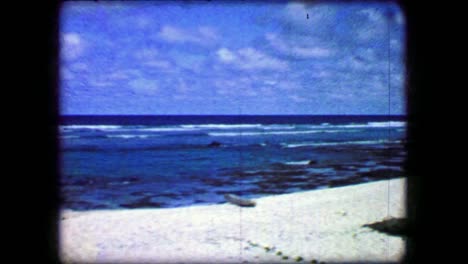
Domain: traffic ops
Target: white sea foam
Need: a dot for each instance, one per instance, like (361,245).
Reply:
(94,127)
(127,128)
(301,162)
(388,124)
(358,142)
(384,124)
(279,127)
(376,124)
(237,134)
(222,126)
(128,136)
(164,129)
(69,137)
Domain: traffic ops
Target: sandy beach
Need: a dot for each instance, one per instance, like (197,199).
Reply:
(321,225)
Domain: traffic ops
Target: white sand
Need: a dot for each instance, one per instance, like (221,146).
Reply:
(323,224)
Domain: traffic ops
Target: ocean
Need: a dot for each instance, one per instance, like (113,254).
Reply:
(112,162)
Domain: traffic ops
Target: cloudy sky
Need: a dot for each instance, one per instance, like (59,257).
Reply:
(231,58)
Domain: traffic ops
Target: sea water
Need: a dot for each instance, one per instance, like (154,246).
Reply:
(171,161)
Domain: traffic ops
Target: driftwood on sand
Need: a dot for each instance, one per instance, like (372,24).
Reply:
(234,199)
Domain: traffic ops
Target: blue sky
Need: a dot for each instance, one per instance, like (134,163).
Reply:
(231,58)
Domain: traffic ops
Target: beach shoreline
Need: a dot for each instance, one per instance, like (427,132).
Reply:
(322,225)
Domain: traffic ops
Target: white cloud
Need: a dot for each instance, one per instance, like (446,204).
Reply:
(270,82)
(118,75)
(356,64)
(254,59)
(208,33)
(250,93)
(159,64)
(294,49)
(297,99)
(189,61)
(288,85)
(226,55)
(172,34)
(142,21)
(295,12)
(251,59)
(150,57)
(100,83)
(203,35)
(322,74)
(66,74)
(131,73)
(261,87)
(144,86)
(145,53)
(373,15)
(182,86)
(313,52)
(79,66)
(238,87)
(267,91)
(367,54)
(374,25)
(72,45)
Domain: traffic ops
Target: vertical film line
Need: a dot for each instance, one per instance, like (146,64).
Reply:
(388,17)
(241,169)
(389,96)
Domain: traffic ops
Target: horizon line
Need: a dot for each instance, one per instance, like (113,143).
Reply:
(64,115)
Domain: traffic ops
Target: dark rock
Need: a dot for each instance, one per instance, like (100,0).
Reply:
(132,179)
(297,179)
(274,173)
(270,187)
(312,162)
(170,195)
(392,163)
(392,226)
(214,144)
(383,174)
(92,181)
(215,182)
(194,177)
(84,182)
(290,173)
(141,193)
(80,205)
(345,181)
(344,167)
(144,202)
(310,185)
(199,190)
